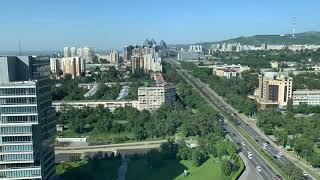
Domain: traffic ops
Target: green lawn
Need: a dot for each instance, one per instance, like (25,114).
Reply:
(208,170)
(88,170)
(173,169)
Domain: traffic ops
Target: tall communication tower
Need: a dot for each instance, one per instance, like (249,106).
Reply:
(293,26)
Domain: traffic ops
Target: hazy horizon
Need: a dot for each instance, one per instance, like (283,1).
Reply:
(52,25)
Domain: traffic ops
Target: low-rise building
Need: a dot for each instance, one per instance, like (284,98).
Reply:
(111,105)
(274,64)
(275,47)
(316,68)
(229,71)
(189,56)
(305,96)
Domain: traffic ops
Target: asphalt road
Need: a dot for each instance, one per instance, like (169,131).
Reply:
(271,150)
(250,171)
(257,160)
(226,108)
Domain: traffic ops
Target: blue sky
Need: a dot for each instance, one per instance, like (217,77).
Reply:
(104,24)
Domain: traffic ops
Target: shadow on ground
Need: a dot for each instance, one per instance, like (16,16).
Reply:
(139,169)
(103,169)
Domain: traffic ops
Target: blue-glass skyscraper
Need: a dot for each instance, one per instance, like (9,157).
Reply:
(27,119)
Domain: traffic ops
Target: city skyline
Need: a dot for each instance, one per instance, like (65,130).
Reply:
(111,25)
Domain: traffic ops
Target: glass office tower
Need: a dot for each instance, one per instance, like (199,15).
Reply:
(27,119)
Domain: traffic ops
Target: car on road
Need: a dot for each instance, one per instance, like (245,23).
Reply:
(305,173)
(265,145)
(277,177)
(250,156)
(258,168)
(249,153)
(243,143)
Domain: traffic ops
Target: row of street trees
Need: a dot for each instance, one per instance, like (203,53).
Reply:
(234,90)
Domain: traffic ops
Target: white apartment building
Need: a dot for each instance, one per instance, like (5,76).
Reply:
(114,56)
(85,53)
(195,48)
(73,51)
(67,65)
(152,62)
(66,52)
(111,105)
(275,47)
(151,98)
(305,96)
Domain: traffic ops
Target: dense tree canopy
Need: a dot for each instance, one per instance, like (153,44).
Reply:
(234,90)
(301,133)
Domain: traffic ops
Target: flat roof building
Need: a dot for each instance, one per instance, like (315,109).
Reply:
(111,105)
(151,98)
(27,119)
(274,90)
(305,96)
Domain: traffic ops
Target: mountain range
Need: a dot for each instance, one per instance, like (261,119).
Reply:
(311,37)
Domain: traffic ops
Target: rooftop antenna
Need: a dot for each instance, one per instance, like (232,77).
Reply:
(19,48)
(293,26)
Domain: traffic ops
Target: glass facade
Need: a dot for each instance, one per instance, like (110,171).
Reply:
(27,123)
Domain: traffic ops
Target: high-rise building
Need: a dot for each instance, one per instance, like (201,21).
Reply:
(274,90)
(114,56)
(127,52)
(66,52)
(151,98)
(195,48)
(73,51)
(74,66)
(87,55)
(136,63)
(152,62)
(27,119)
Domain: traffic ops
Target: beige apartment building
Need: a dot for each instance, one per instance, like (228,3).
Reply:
(151,98)
(74,66)
(274,90)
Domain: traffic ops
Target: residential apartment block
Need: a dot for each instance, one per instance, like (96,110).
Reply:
(305,96)
(151,98)
(75,66)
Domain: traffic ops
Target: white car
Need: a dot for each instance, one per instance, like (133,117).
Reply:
(243,143)
(250,156)
(249,153)
(258,168)
(280,153)
(305,173)
(265,145)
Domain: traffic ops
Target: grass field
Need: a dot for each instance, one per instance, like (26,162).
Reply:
(88,170)
(173,169)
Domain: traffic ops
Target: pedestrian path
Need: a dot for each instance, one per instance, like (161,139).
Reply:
(122,171)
